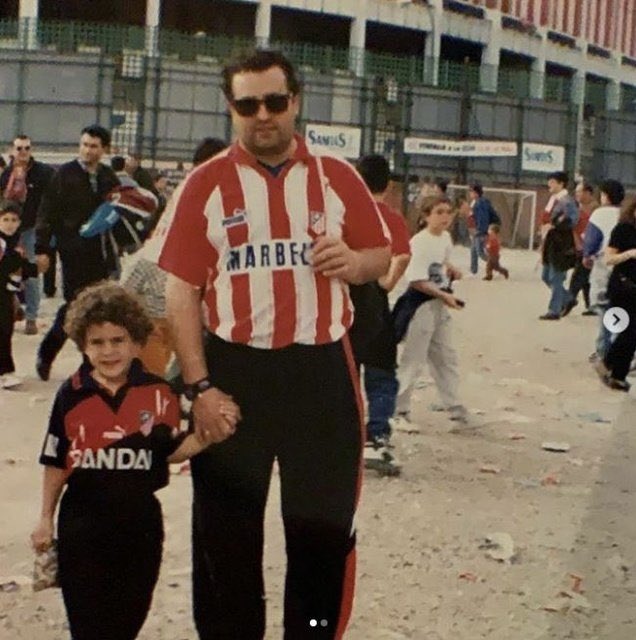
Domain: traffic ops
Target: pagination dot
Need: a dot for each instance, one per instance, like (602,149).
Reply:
(323,623)
(313,622)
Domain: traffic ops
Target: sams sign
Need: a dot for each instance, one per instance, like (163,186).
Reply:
(543,158)
(338,141)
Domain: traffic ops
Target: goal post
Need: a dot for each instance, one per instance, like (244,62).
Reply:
(517,209)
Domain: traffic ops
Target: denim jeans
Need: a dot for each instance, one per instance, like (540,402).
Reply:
(554,278)
(477,250)
(604,338)
(381,388)
(31,285)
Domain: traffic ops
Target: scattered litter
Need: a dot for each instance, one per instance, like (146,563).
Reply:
(14,461)
(559,447)
(594,417)
(568,600)
(548,350)
(528,483)
(499,546)
(618,567)
(504,405)
(489,468)
(517,436)
(550,480)
(468,576)
(9,587)
(576,582)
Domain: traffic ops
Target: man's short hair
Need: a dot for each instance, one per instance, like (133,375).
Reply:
(257,61)
(442,184)
(375,172)
(586,186)
(22,136)
(614,190)
(477,188)
(97,131)
(206,149)
(118,163)
(560,176)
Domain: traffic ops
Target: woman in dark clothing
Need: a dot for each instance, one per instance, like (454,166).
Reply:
(621,254)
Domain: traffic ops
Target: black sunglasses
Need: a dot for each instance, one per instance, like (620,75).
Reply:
(28,148)
(274,103)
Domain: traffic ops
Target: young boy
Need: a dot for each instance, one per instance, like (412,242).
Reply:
(113,430)
(428,337)
(13,267)
(493,251)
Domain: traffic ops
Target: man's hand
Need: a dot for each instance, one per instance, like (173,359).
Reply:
(334,259)
(43,262)
(42,536)
(450,301)
(215,416)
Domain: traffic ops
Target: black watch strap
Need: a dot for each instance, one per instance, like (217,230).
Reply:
(192,391)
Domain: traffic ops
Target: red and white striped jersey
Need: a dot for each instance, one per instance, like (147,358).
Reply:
(244,236)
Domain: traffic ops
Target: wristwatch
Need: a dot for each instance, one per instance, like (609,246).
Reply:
(192,391)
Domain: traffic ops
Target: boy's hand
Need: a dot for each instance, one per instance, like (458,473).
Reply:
(215,416)
(451,301)
(454,273)
(42,536)
(43,262)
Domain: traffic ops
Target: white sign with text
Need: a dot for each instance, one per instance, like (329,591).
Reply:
(543,158)
(460,148)
(339,141)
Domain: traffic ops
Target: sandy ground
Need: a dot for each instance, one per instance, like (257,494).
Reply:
(422,571)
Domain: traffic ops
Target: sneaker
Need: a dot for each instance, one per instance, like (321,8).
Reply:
(31,328)
(378,457)
(43,368)
(458,413)
(617,385)
(550,316)
(404,416)
(589,312)
(487,278)
(9,381)
(593,357)
(603,372)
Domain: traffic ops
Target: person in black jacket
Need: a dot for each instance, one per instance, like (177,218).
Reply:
(13,266)
(75,191)
(24,181)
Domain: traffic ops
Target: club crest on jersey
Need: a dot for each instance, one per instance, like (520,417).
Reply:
(238,217)
(317,222)
(146,422)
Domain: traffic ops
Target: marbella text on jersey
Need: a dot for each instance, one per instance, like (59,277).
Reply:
(276,254)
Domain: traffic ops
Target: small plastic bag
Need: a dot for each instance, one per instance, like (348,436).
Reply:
(45,569)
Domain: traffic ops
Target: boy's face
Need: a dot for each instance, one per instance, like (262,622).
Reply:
(9,223)
(440,218)
(110,350)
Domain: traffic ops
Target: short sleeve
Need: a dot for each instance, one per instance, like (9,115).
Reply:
(418,268)
(363,225)
(399,231)
(619,239)
(56,443)
(187,252)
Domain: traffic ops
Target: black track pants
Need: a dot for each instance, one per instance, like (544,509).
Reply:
(299,405)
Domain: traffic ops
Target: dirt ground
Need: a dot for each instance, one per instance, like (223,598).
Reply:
(424,571)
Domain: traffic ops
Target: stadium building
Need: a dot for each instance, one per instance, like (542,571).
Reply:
(495,90)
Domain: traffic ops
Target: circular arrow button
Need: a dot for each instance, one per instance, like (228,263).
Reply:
(616,320)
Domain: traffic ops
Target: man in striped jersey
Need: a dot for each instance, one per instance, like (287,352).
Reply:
(269,236)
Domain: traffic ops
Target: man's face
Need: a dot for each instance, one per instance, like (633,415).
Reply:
(22,150)
(91,149)
(582,196)
(264,134)
(554,186)
(132,163)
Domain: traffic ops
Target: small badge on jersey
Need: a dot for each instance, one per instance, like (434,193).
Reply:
(318,222)
(238,217)
(146,422)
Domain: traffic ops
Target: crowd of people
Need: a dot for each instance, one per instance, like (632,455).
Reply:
(265,283)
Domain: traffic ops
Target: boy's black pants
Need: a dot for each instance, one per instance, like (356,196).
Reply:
(108,566)
(300,406)
(6,332)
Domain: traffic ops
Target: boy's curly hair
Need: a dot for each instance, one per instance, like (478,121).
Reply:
(107,302)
